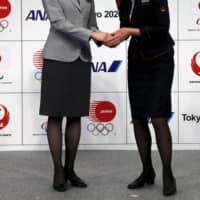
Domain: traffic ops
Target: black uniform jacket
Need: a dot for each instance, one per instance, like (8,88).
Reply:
(152,18)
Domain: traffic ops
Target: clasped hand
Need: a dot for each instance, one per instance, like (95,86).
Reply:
(115,38)
(112,39)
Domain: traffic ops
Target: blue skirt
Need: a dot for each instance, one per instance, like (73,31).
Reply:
(150,85)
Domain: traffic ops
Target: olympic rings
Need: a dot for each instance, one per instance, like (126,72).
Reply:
(3,25)
(100,128)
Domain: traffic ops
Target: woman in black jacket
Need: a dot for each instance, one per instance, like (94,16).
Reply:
(150,74)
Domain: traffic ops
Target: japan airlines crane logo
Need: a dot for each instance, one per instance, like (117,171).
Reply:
(4,116)
(196,63)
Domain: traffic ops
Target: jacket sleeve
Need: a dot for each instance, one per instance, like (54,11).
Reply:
(93,23)
(162,21)
(124,7)
(59,21)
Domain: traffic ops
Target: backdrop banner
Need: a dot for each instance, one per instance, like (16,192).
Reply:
(23,30)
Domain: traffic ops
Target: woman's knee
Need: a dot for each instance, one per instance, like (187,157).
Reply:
(140,121)
(55,118)
(158,121)
(71,120)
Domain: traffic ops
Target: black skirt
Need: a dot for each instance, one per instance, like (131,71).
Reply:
(149,85)
(65,88)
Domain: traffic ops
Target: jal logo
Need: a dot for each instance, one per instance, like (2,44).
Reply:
(104,67)
(5,8)
(102,111)
(36,15)
(38,63)
(195,63)
(4,116)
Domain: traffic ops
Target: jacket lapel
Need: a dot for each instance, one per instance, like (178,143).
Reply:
(75,2)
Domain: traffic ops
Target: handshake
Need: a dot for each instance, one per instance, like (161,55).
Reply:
(112,39)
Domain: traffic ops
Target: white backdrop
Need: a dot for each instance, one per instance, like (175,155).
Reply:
(23,30)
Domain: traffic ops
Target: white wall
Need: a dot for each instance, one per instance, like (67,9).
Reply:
(22,35)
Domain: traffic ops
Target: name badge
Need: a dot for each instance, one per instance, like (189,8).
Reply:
(145,1)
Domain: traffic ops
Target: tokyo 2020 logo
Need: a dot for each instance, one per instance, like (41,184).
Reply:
(5,10)
(4,116)
(101,115)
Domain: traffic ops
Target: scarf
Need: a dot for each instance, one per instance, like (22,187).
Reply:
(119,2)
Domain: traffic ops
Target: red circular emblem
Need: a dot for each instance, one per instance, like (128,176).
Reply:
(5,8)
(4,116)
(102,111)
(196,63)
(163,9)
(199,5)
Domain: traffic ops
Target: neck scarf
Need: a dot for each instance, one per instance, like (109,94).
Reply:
(132,7)
(119,2)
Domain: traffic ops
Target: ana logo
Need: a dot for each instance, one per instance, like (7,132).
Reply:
(5,8)
(38,63)
(35,15)
(4,116)
(101,115)
(196,63)
(103,67)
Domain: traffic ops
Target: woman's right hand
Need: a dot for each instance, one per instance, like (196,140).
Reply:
(101,36)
